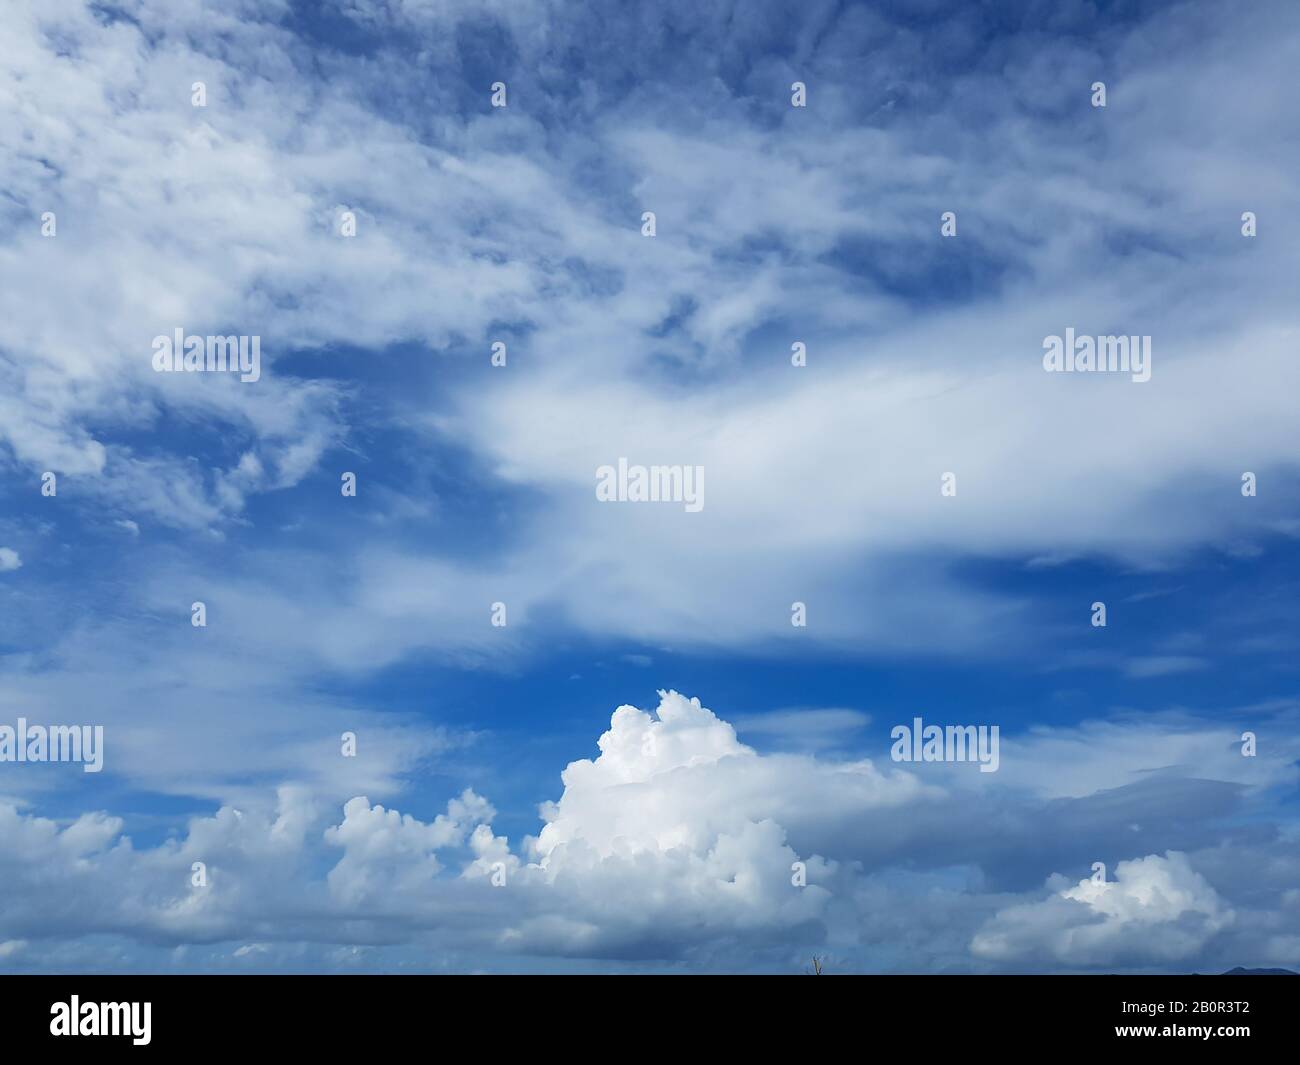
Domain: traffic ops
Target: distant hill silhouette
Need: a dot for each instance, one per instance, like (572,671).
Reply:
(1239,971)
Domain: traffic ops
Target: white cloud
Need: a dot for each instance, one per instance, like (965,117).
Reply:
(9,560)
(1157,909)
(387,854)
(679,777)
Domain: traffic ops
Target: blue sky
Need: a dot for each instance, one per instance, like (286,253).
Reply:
(668,843)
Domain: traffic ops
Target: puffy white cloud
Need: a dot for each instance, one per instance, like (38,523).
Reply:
(388,854)
(9,559)
(684,823)
(680,777)
(1157,909)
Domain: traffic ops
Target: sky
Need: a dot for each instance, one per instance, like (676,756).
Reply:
(476,718)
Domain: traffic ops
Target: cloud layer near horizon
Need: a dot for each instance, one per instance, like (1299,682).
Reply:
(678,843)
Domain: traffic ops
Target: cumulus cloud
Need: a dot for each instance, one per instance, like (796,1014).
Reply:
(387,854)
(680,776)
(9,559)
(1157,909)
(676,803)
